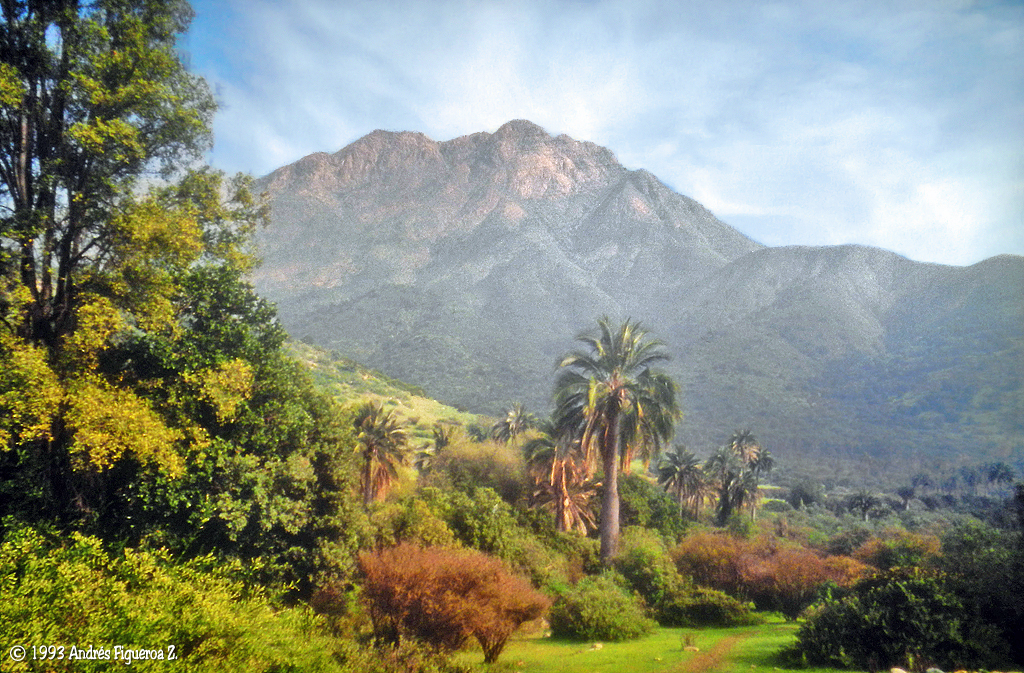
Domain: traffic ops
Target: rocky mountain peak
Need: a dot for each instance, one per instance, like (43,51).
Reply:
(532,164)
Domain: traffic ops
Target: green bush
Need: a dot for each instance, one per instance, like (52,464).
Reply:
(904,618)
(646,565)
(696,606)
(76,593)
(598,608)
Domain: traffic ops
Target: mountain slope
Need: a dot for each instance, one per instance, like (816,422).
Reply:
(469,266)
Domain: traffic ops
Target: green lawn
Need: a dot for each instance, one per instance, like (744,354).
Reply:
(732,650)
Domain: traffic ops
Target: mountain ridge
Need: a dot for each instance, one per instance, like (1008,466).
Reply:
(468,266)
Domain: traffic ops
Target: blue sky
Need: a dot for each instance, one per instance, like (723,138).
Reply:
(898,125)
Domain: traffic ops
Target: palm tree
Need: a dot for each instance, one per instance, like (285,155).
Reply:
(757,461)
(727,469)
(761,465)
(679,471)
(745,445)
(517,420)
(561,480)
(617,406)
(382,444)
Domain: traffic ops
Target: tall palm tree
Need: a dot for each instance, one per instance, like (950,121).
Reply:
(517,420)
(608,395)
(382,443)
(679,471)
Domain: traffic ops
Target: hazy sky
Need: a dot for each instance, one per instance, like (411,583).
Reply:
(893,124)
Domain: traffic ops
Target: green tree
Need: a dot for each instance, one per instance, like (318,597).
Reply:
(730,476)
(382,445)
(91,96)
(619,407)
(862,502)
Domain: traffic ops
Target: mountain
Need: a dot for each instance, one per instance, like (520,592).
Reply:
(469,266)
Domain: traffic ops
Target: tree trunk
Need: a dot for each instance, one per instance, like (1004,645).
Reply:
(610,503)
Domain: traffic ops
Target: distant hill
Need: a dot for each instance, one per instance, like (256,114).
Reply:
(468,266)
(350,383)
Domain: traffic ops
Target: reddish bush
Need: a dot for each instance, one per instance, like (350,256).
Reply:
(712,559)
(773,574)
(789,580)
(443,596)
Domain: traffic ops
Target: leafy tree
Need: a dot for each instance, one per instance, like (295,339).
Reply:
(91,96)
(805,492)
(862,503)
(906,494)
(78,593)
(381,442)
(906,618)
(610,397)
(1000,474)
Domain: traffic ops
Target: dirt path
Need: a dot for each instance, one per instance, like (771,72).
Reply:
(711,660)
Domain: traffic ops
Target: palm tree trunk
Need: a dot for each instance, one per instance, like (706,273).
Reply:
(610,503)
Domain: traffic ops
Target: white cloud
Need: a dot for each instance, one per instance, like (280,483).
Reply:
(799,122)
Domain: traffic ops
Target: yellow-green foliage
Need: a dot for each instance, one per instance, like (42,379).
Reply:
(109,423)
(77,594)
(29,392)
(226,386)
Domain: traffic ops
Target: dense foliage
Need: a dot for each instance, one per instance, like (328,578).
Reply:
(198,614)
(906,618)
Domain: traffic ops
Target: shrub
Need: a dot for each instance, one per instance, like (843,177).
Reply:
(902,618)
(773,573)
(466,465)
(899,549)
(694,606)
(443,596)
(674,600)
(409,521)
(712,559)
(790,579)
(644,503)
(73,592)
(599,609)
(645,564)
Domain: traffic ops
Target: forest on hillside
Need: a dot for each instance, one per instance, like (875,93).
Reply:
(180,483)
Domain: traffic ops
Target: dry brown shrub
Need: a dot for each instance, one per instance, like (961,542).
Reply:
(442,596)
(774,574)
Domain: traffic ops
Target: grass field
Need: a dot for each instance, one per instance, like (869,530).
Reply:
(730,650)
